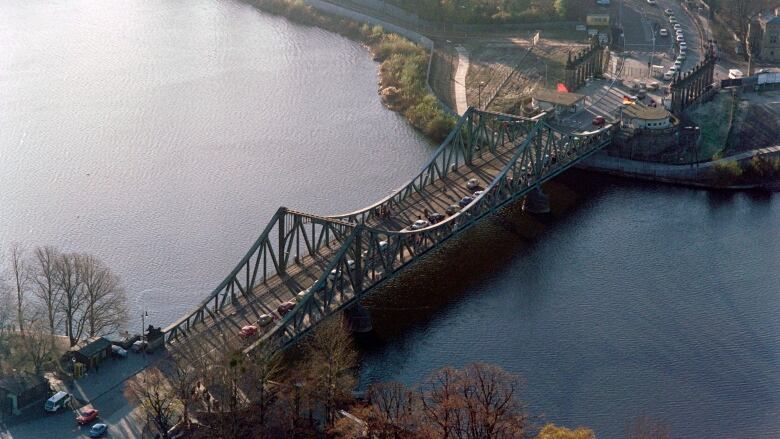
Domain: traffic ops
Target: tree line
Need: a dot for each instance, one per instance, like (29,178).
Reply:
(46,292)
(309,393)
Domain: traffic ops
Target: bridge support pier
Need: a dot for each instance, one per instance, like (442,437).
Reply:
(357,318)
(536,202)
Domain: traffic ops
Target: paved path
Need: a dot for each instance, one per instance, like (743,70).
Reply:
(461,103)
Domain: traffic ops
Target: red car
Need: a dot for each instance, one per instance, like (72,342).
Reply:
(248,331)
(87,416)
(285,308)
(599,121)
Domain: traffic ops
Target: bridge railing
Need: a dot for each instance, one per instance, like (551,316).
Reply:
(371,256)
(476,133)
(350,258)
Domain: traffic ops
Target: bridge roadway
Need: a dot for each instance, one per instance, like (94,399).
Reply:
(508,155)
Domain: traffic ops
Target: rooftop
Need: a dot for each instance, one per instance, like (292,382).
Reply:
(642,111)
(92,346)
(19,383)
(557,97)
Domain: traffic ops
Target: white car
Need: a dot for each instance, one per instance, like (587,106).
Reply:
(683,46)
(672,20)
(652,2)
(680,38)
(420,224)
(663,32)
(677,26)
(669,75)
(118,351)
(265,320)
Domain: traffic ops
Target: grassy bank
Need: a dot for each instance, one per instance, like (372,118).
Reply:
(403,64)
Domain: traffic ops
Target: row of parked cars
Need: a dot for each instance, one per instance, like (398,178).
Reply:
(679,37)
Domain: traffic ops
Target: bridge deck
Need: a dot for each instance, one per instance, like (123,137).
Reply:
(215,335)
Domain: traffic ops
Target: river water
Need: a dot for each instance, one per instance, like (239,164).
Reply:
(162,135)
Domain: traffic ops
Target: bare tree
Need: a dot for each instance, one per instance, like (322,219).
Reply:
(153,393)
(265,366)
(46,289)
(68,280)
(439,398)
(644,427)
(6,321)
(391,413)
(331,356)
(490,396)
(106,304)
(36,348)
(20,277)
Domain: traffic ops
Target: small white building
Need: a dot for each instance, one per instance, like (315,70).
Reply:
(640,116)
(556,101)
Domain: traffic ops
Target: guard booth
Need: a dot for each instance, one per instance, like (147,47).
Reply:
(91,352)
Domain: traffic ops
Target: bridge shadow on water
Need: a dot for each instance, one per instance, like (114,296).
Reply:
(416,297)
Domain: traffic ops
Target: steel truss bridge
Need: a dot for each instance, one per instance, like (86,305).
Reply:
(342,258)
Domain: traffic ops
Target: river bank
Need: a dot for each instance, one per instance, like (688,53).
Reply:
(403,64)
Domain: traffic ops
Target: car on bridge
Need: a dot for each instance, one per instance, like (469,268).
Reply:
(599,121)
(87,416)
(473,184)
(265,320)
(465,201)
(419,224)
(98,430)
(248,331)
(452,209)
(436,217)
(285,307)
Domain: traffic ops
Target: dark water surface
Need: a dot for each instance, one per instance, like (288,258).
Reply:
(641,299)
(162,135)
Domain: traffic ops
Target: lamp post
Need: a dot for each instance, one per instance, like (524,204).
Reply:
(479,98)
(144,314)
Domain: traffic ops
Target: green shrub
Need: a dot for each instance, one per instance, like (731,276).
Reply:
(727,172)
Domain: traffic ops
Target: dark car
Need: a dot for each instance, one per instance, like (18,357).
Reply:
(465,201)
(87,416)
(285,308)
(435,217)
(452,209)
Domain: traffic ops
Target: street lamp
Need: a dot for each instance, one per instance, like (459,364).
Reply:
(144,314)
(479,99)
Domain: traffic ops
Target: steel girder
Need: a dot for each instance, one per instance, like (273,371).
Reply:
(352,257)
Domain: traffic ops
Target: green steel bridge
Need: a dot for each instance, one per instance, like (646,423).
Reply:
(339,259)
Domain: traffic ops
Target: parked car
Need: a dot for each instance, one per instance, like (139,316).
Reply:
(678,64)
(419,224)
(98,430)
(436,217)
(677,26)
(265,320)
(285,307)
(87,416)
(683,46)
(139,346)
(465,201)
(669,75)
(652,2)
(668,11)
(472,184)
(663,32)
(680,38)
(452,209)
(117,351)
(248,331)
(599,121)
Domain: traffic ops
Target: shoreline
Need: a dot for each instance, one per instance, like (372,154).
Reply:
(403,63)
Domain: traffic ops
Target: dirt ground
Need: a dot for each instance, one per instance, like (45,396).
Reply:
(507,71)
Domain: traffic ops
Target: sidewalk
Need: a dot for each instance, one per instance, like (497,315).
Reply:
(461,103)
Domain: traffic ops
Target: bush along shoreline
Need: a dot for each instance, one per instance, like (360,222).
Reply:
(403,64)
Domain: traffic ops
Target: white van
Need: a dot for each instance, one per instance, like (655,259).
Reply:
(735,73)
(56,402)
